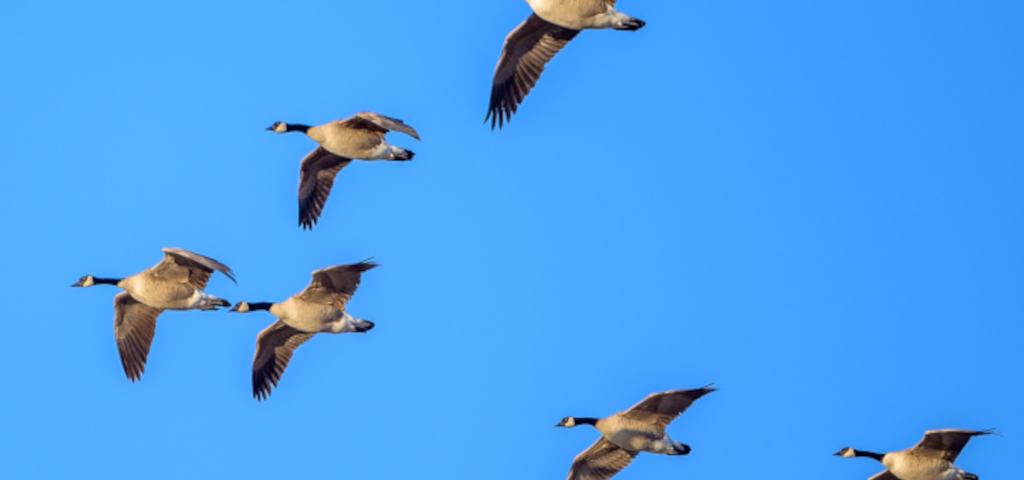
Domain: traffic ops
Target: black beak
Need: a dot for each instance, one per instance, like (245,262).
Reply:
(269,129)
(233,309)
(77,285)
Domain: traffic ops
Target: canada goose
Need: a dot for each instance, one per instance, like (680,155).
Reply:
(359,137)
(534,42)
(931,459)
(176,283)
(626,434)
(320,308)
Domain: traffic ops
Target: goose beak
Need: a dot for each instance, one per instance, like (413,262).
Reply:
(233,309)
(269,129)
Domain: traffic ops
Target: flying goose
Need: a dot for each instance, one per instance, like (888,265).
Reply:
(176,283)
(359,137)
(931,459)
(534,42)
(625,434)
(320,308)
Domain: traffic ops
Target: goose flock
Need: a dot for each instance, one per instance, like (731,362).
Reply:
(178,281)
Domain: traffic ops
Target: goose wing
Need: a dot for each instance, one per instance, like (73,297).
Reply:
(531,45)
(335,285)
(316,178)
(183,266)
(600,462)
(661,408)
(274,348)
(378,123)
(946,444)
(134,328)
(886,475)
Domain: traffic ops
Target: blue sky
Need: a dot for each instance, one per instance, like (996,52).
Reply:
(816,205)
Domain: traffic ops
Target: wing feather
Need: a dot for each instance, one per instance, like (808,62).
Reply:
(335,285)
(316,178)
(274,348)
(600,462)
(946,444)
(662,408)
(134,328)
(183,266)
(378,123)
(527,49)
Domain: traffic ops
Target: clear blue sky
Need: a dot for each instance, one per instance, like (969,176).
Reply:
(817,205)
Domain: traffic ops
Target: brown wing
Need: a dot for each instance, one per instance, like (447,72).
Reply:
(531,45)
(886,475)
(274,348)
(661,408)
(946,444)
(183,266)
(600,462)
(316,178)
(134,327)
(335,285)
(378,123)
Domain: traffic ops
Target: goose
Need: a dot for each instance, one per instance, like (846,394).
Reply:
(626,434)
(535,41)
(176,283)
(359,137)
(320,308)
(931,459)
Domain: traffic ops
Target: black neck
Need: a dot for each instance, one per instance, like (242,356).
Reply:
(586,421)
(105,281)
(876,456)
(298,127)
(260,306)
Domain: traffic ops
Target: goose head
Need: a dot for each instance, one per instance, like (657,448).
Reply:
(847,452)
(278,127)
(567,422)
(86,281)
(241,307)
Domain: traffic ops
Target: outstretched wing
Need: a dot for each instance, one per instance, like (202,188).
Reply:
(274,348)
(600,462)
(531,45)
(335,285)
(316,178)
(183,266)
(946,444)
(661,408)
(134,328)
(378,123)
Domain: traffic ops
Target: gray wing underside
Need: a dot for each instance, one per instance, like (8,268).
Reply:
(525,52)
(600,462)
(274,348)
(134,329)
(316,179)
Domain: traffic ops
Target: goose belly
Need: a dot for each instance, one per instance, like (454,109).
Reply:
(574,14)
(306,316)
(635,436)
(160,294)
(907,467)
